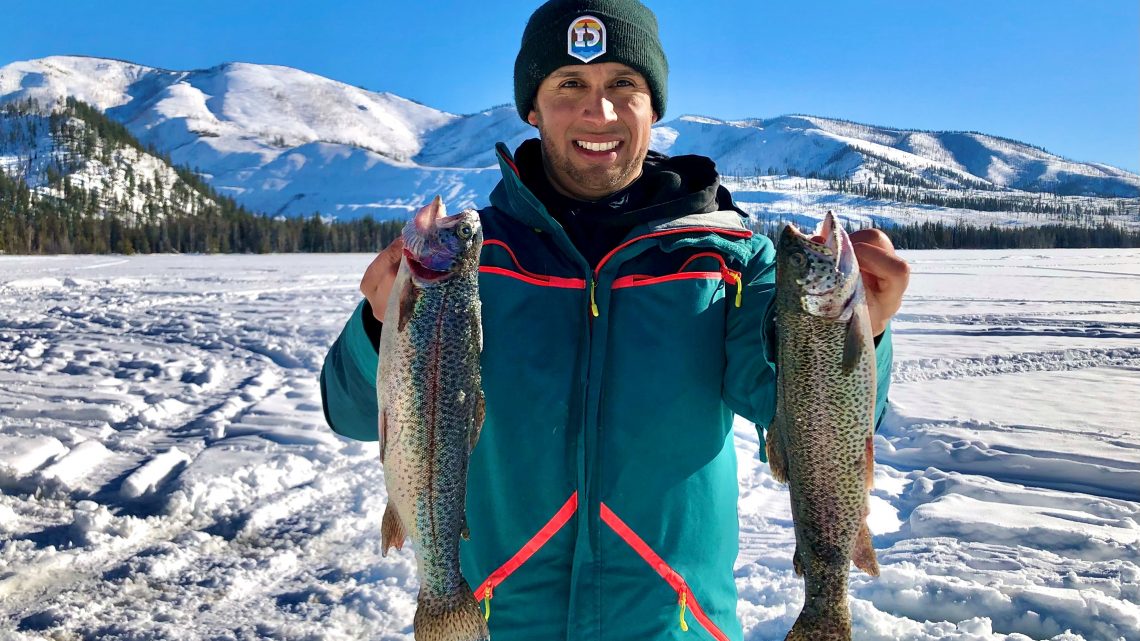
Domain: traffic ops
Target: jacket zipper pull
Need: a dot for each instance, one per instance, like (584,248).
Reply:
(487,603)
(684,626)
(593,303)
(735,277)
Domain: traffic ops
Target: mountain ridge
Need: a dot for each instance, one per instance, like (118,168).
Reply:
(283,140)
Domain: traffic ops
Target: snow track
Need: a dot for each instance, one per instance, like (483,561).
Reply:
(166,472)
(1051,361)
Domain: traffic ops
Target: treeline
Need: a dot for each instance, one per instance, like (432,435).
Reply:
(939,235)
(1039,204)
(186,216)
(57,226)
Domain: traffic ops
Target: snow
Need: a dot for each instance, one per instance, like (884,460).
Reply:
(165,470)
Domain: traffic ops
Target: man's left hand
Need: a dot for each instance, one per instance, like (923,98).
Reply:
(885,275)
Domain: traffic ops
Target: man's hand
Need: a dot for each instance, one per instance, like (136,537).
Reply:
(380,276)
(885,275)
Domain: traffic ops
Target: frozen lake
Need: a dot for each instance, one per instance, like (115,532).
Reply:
(165,469)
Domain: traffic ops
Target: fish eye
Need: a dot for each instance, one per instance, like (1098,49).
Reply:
(798,260)
(464,231)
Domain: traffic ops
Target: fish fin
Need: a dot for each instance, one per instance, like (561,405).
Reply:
(774,448)
(391,530)
(853,343)
(408,299)
(450,617)
(465,531)
(477,424)
(864,553)
(798,561)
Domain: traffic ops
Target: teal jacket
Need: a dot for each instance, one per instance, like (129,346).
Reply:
(602,496)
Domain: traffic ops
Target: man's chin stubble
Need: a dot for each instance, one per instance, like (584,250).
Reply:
(603,182)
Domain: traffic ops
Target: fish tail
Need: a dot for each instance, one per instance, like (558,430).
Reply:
(451,617)
(825,615)
(811,626)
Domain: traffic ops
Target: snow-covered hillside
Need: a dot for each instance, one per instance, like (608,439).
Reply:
(281,140)
(166,473)
(46,151)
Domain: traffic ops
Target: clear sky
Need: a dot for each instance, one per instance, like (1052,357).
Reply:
(1061,74)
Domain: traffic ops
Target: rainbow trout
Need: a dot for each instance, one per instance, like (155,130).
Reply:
(431,410)
(820,441)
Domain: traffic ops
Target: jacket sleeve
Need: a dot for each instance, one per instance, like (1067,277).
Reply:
(749,387)
(348,380)
(750,371)
(884,364)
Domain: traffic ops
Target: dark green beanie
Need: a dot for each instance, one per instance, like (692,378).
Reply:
(625,29)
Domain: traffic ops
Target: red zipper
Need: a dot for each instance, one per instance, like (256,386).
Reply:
(729,274)
(542,280)
(685,598)
(486,589)
(735,233)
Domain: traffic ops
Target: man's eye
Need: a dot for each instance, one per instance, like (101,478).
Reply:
(571,83)
(623,83)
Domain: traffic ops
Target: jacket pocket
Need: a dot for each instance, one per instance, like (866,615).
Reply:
(485,591)
(723,272)
(519,273)
(686,601)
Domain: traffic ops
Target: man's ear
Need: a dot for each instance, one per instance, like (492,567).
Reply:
(532,117)
(655,117)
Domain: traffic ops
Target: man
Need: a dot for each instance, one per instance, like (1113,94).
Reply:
(625,318)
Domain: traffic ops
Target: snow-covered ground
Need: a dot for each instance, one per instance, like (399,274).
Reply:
(165,470)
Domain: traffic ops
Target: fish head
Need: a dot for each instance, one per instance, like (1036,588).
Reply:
(820,270)
(438,247)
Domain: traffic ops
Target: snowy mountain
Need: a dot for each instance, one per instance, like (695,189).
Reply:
(810,145)
(284,141)
(71,155)
(74,181)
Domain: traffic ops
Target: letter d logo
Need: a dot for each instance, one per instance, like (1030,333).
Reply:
(586,38)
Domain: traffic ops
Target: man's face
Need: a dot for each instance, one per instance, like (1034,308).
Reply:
(594,122)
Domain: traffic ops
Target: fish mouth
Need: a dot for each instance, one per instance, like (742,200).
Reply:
(423,272)
(830,245)
(831,241)
(825,239)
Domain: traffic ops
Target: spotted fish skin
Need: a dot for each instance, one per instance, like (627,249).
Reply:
(820,441)
(430,403)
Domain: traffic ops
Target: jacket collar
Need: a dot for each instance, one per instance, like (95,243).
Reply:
(513,198)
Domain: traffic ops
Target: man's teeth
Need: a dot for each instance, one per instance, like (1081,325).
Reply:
(598,146)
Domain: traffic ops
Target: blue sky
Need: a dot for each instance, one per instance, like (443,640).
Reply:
(1062,74)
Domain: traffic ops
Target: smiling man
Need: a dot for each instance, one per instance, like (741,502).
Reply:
(594,126)
(626,319)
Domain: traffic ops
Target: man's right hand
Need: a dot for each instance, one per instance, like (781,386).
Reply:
(380,275)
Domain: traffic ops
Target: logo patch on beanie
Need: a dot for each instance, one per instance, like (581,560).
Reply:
(586,38)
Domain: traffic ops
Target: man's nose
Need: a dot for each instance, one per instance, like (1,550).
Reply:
(599,109)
